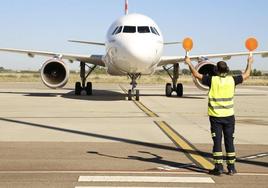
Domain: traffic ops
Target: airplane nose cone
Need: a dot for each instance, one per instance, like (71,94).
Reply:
(138,56)
(141,52)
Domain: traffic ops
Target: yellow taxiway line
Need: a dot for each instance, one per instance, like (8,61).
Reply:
(176,138)
(189,149)
(145,109)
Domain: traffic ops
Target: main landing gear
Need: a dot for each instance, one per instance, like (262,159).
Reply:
(86,87)
(174,75)
(133,92)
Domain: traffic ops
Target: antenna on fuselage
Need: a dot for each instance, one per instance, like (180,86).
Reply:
(126,7)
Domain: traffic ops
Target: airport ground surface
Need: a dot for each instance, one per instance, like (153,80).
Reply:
(51,138)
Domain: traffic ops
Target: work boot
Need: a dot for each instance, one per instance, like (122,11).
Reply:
(217,171)
(231,170)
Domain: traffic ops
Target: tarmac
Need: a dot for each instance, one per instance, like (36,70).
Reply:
(52,138)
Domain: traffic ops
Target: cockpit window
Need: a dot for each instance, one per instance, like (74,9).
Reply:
(129,29)
(118,30)
(114,31)
(143,29)
(154,31)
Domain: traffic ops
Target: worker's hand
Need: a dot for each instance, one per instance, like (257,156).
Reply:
(187,60)
(250,59)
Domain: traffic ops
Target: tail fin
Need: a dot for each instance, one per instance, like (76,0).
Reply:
(126,7)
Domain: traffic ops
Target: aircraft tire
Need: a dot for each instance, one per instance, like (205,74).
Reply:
(168,90)
(137,95)
(179,90)
(78,88)
(129,95)
(89,88)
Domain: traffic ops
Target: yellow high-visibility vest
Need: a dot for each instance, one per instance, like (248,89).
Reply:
(220,96)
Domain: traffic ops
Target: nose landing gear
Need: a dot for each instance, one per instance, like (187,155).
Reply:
(133,92)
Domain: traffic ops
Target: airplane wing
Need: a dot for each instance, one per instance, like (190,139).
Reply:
(166,60)
(87,42)
(92,59)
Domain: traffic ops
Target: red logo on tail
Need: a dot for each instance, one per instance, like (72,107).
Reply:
(126,6)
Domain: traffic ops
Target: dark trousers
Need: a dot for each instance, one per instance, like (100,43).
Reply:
(225,125)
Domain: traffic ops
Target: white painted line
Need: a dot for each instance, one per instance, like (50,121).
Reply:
(147,179)
(166,167)
(101,172)
(262,155)
(251,157)
(161,168)
(117,172)
(250,174)
(124,187)
(97,172)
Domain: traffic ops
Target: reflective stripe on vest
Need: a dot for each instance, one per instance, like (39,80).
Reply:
(220,97)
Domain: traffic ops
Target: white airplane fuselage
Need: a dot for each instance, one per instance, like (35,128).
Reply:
(134,45)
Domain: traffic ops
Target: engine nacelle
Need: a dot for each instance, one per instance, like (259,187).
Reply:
(54,73)
(206,68)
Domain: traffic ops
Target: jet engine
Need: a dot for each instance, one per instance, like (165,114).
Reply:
(54,73)
(204,67)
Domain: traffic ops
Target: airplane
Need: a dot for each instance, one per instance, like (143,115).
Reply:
(134,47)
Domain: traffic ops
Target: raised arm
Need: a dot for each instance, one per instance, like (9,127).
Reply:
(195,73)
(246,74)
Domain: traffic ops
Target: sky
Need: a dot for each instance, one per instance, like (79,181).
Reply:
(215,26)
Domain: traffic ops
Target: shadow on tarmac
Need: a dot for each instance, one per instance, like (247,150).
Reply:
(154,159)
(108,95)
(186,96)
(34,94)
(129,141)
(99,95)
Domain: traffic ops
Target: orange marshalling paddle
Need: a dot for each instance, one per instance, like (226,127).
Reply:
(187,45)
(251,45)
